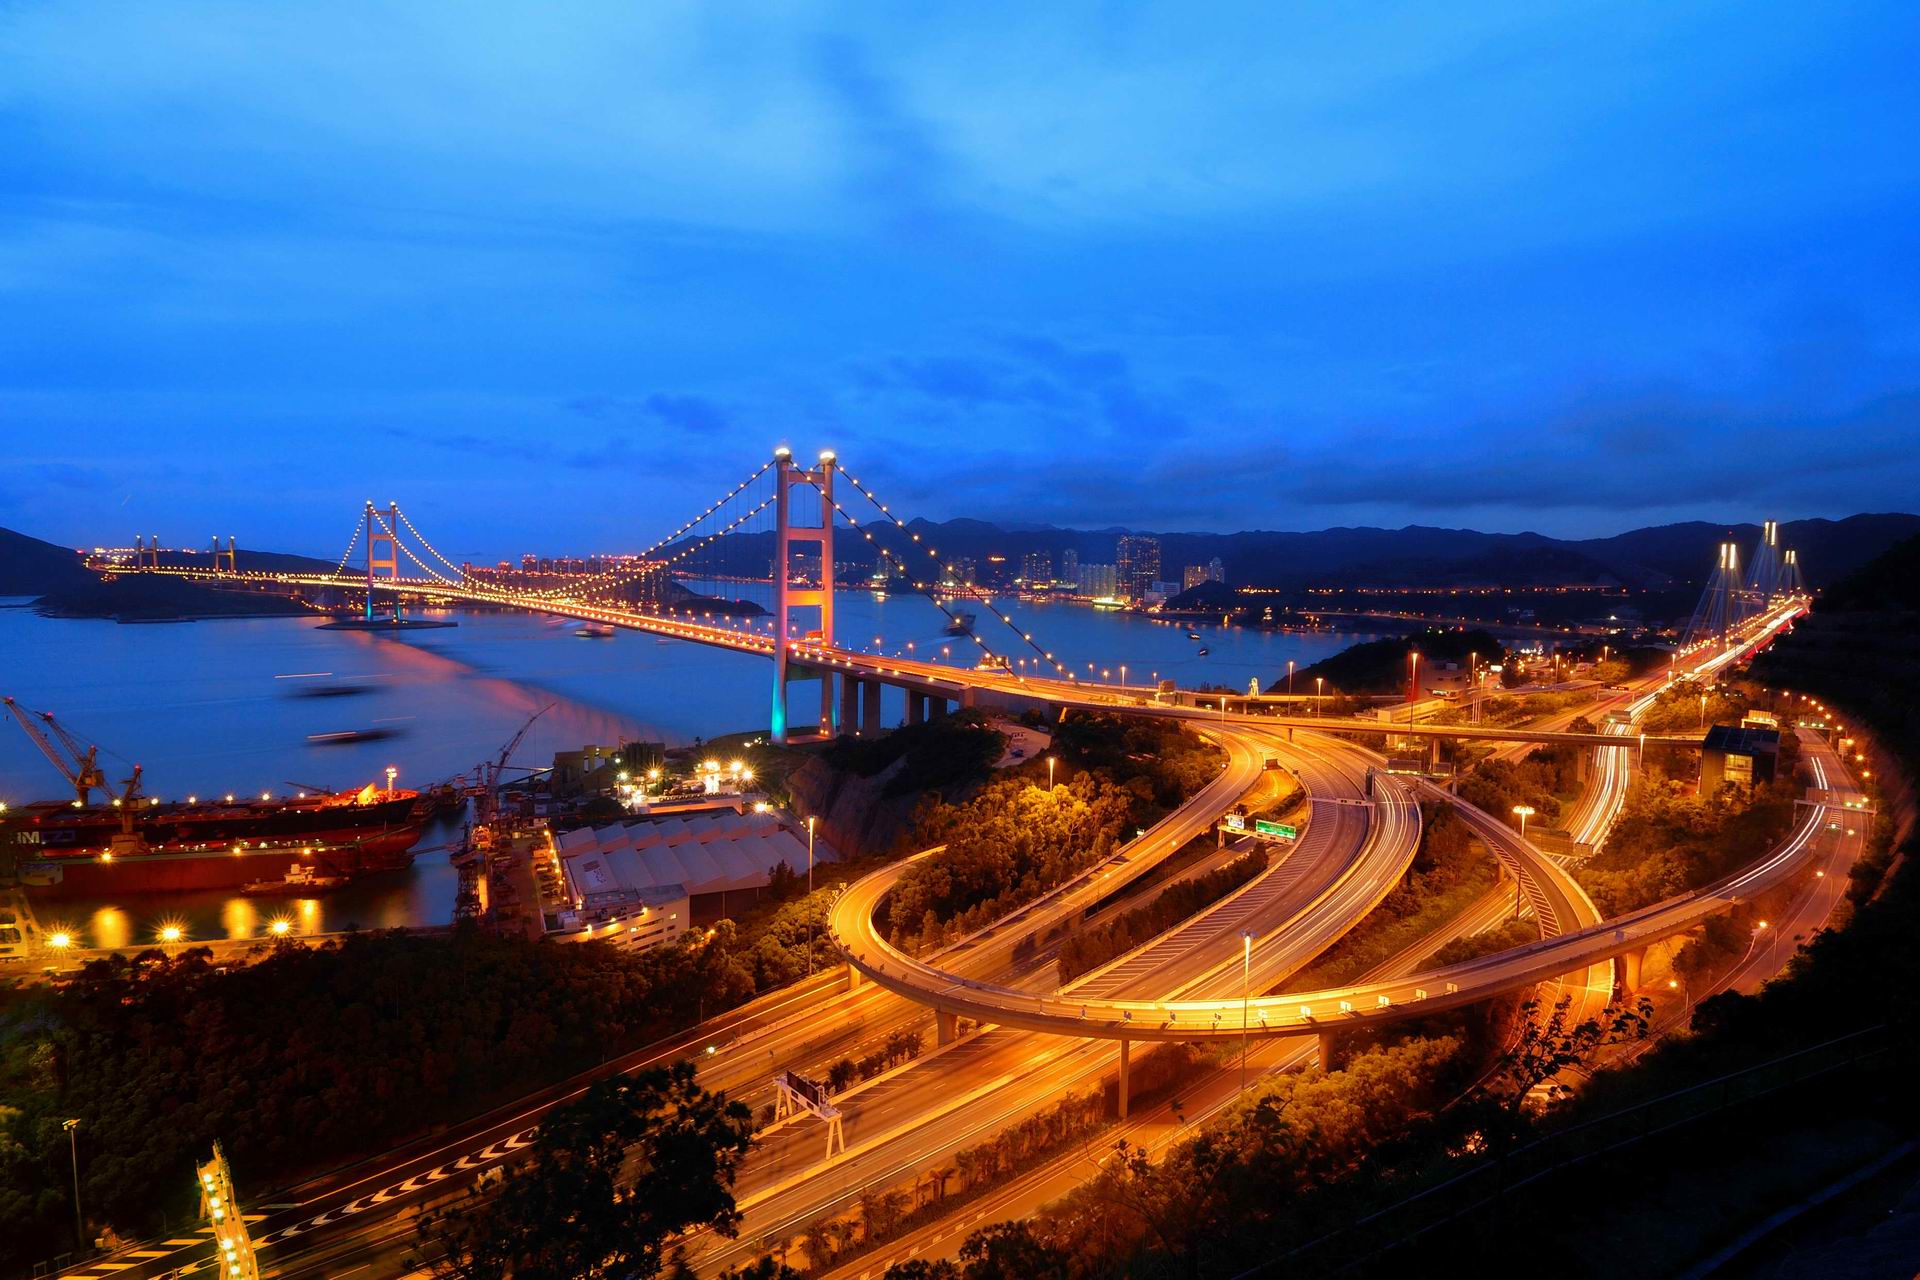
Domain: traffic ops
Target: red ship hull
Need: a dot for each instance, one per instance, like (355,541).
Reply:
(59,852)
(105,876)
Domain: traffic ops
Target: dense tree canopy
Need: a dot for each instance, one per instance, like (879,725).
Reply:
(613,1178)
(297,1061)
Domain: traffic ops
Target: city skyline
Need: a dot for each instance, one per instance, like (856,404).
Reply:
(1566,273)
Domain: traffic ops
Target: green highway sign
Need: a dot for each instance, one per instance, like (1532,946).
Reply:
(1278,830)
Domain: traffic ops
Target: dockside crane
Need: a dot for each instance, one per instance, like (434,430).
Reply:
(487,794)
(80,766)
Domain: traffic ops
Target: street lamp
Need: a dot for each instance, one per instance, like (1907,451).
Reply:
(1319,684)
(73,1146)
(1289,677)
(1523,812)
(1049,774)
(1413,682)
(810,821)
(1703,711)
(1246,990)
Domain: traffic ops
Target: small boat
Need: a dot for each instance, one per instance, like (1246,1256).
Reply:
(1202,652)
(344,736)
(1193,635)
(300,879)
(593,630)
(961,624)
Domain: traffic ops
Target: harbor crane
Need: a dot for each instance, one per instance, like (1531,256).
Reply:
(79,764)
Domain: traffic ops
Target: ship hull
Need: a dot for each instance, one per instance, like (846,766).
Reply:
(183,848)
(101,876)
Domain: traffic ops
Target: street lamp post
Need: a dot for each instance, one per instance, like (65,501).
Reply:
(1523,812)
(79,1223)
(1319,685)
(1289,677)
(810,822)
(1246,991)
(1049,775)
(1413,683)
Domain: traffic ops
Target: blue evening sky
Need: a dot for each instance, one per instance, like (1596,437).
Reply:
(554,275)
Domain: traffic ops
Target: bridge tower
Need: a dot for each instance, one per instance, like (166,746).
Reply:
(225,561)
(1763,570)
(383,551)
(786,596)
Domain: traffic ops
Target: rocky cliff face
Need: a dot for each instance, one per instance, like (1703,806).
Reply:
(856,814)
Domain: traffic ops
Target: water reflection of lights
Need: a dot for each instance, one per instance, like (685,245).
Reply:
(111,927)
(239,918)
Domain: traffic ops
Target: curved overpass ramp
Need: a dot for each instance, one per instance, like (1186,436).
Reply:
(1067,1013)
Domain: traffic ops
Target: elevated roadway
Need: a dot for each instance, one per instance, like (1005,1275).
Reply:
(1313,1012)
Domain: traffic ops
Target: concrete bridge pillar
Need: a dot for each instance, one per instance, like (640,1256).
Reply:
(1630,962)
(854,977)
(1123,1080)
(1325,1039)
(829,719)
(943,1027)
(936,707)
(916,706)
(870,707)
(849,703)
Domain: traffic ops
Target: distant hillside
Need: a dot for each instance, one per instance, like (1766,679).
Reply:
(148,597)
(1381,666)
(1890,582)
(30,567)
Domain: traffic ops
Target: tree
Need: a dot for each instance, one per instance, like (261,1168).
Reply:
(1010,1251)
(1545,1048)
(612,1179)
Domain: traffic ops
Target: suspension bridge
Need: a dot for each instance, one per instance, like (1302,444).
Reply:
(772,536)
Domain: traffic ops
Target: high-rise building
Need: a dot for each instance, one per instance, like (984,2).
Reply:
(963,572)
(1070,566)
(1196,574)
(1036,568)
(1098,581)
(1138,564)
(1216,572)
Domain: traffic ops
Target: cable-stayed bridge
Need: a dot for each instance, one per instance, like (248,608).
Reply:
(774,533)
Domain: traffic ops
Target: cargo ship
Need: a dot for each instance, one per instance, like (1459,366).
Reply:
(133,843)
(151,847)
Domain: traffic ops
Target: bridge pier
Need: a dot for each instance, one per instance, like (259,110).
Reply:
(1123,1080)
(870,707)
(943,1027)
(916,707)
(1630,963)
(1325,1040)
(849,703)
(854,978)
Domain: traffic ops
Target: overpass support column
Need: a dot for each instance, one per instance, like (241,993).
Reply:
(849,703)
(936,706)
(870,707)
(829,720)
(1326,1050)
(1123,1080)
(854,979)
(943,1027)
(966,696)
(916,706)
(1630,962)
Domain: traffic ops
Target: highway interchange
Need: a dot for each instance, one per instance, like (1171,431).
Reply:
(1358,839)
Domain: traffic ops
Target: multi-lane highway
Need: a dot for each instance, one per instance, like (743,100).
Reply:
(1354,849)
